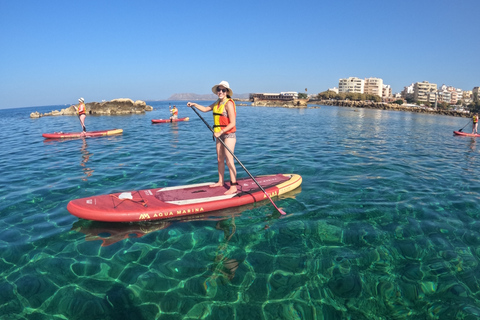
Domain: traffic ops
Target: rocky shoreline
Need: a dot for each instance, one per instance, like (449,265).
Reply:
(389,106)
(110,108)
(358,104)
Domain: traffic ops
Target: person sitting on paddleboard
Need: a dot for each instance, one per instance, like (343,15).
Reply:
(475,123)
(81,112)
(174,113)
(224,117)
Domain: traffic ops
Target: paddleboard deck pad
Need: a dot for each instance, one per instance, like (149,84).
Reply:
(459,133)
(170,120)
(88,134)
(179,201)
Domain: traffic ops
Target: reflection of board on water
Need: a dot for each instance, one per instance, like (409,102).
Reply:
(85,157)
(112,232)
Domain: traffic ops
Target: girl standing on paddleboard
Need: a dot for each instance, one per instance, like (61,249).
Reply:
(81,112)
(224,117)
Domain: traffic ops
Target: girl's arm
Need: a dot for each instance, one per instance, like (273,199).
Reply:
(199,107)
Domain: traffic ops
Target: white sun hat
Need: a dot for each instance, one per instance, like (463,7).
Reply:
(223,84)
(81,100)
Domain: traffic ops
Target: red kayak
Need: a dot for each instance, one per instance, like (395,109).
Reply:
(459,133)
(180,201)
(88,134)
(170,120)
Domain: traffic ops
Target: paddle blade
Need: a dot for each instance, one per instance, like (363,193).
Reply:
(460,130)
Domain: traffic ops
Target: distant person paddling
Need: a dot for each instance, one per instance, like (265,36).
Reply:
(224,117)
(475,123)
(81,112)
(173,113)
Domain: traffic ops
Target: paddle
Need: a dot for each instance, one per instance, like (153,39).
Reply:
(464,126)
(209,127)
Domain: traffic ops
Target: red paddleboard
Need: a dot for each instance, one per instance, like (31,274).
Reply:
(88,134)
(180,201)
(459,133)
(168,120)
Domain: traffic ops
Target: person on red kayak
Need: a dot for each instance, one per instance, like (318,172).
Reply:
(173,113)
(81,112)
(224,117)
(475,123)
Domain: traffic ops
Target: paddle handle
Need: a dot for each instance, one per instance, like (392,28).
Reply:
(239,162)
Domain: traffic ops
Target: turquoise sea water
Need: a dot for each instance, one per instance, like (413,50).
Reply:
(385,225)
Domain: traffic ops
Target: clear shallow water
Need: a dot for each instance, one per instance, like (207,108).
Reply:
(385,225)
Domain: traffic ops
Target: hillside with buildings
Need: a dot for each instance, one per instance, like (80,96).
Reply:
(420,92)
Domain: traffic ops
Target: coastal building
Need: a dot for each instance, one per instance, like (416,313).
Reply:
(373,86)
(475,94)
(422,90)
(467,96)
(334,89)
(292,94)
(459,95)
(387,91)
(352,84)
(407,92)
(444,96)
(449,94)
(282,96)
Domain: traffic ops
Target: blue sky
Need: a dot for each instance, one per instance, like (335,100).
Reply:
(54,52)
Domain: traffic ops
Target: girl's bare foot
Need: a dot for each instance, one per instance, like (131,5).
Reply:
(218,184)
(232,190)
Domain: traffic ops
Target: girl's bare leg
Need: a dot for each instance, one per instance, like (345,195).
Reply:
(82,121)
(221,164)
(230,142)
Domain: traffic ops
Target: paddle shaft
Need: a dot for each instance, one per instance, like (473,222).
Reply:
(465,125)
(239,162)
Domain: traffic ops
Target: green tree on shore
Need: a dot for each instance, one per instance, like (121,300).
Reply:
(302,95)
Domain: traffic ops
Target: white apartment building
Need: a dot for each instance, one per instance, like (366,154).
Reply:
(408,91)
(459,94)
(422,90)
(373,86)
(444,96)
(291,94)
(351,84)
(449,94)
(386,91)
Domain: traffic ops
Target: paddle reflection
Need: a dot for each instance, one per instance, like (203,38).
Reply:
(473,141)
(174,131)
(85,157)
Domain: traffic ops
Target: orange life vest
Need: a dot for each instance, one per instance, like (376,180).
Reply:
(475,119)
(174,111)
(220,116)
(81,108)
